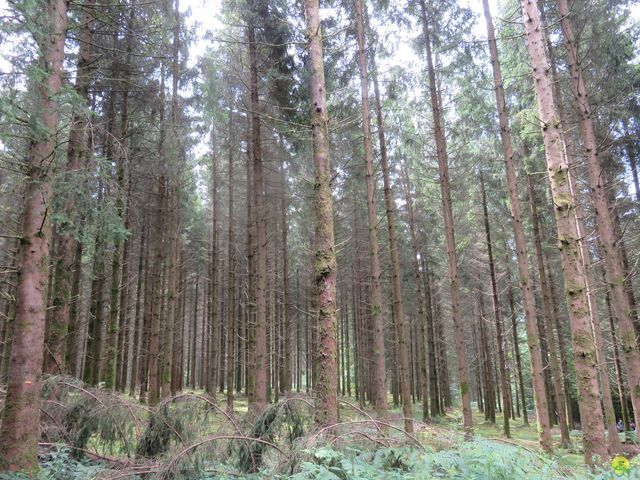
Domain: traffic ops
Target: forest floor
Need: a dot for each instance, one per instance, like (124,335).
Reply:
(94,433)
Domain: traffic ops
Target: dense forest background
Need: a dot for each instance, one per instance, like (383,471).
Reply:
(313,241)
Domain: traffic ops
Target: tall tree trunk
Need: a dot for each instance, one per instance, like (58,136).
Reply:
(172,247)
(487,364)
(432,342)
(193,334)
(231,270)
(618,366)
(378,368)
(123,313)
(584,248)
(250,300)
(516,342)
(136,324)
(443,167)
(533,336)
(155,318)
(613,265)
(178,328)
(556,374)
(145,323)
(75,330)
(562,349)
(422,344)
(20,419)
(502,360)
(59,318)
(215,332)
(93,352)
(111,352)
(259,402)
(172,255)
(402,332)
(286,301)
(564,205)
(326,411)
(123,321)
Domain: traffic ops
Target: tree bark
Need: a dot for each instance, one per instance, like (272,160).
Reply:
(424,356)
(136,324)
(231,270)
(516,343)
(19,434)
(59,318)
(613,265)
(556,374)
(502,361)
(487,364)
(215,328)
(402,332)
(326,411)
(443,167)
(564,205)
(533,337)
(286,300)
(378,369)
(259,402)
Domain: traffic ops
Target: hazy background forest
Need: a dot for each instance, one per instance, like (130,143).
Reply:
(319,240)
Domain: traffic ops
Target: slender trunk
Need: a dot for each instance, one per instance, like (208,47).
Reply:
(434,374)
(286,307)
(622,394)
(204,336)
(547,313)
(172,247)
(402,332)
(116,283)
(20,419)
(378,369)
(250,300)
(584,248)
(231,271)
(75,331)
(502,360)
(96,312)
(214,336)
(443,167)
(516,344)
(143,362)
(326,411)
(422,345)
(563,350)
(259,402)
(533,336)
(193,334)
(59,318)
(123,314)
(172,256)
(613,265)
(178,328)
(156,297)
(143,252)
(564,205)
(123,322)
(487,365)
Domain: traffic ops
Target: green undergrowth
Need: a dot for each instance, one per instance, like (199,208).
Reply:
(477,459)
(92,433)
